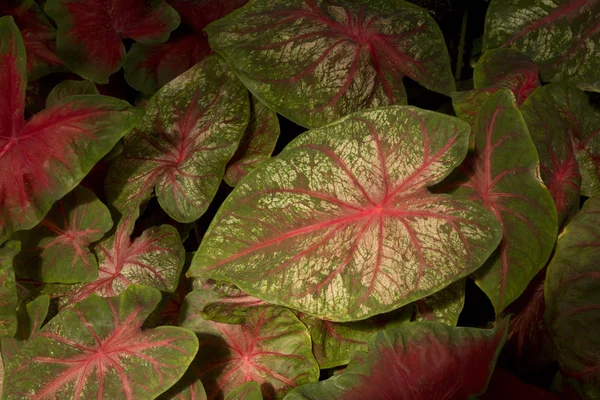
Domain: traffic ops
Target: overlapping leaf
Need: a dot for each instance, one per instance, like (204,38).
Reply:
(315,61)
(418,360)
(272,348)
(443,306)
(256,145)
(467,104)
(566,132)
(180,148)
(57,250)
(572,295)
(248,391)
(97,349)
(501,174)
(90,32)
(8,290)
(505,385)
(340,225)
(69,88)
(562,36)
(54,150)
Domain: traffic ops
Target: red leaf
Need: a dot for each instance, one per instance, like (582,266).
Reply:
(505,385)
(197,14)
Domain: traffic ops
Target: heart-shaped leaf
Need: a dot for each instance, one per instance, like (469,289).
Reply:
(418,360)
(566,133)
(272,348)
(341,225)
(256,145)
(508,69)
(154,259)
(49,154)
(57,250)
(505,385)
(443,306)
(69,88)
(248,391)
(96,349)
(562,37)
(573,300)
(30,318)
(501,174)
(8,290)
(314,61)
(90,33)
(180,148)
(39,36)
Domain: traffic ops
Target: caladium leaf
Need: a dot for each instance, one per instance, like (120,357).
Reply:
(572,295)
(501,174)
(196,14)
(467,104)
(560,36)
(314,61)
(418,360)
(508,69)
(69,88)
(57,250)
(443,306)
(180,148)
(30,317)
(184,390)
(248,391)
(272,348)
(335,343)
(361,235)
(505,385)
(90,33)
(566,131)
(8,290)
(55,149)
(153,259)
(96,349)
(256,145)
(39,36)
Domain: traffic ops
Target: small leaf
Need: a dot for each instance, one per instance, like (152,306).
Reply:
(501,174)
(444,306)
(573,300)
(181,147)
(90,33)
(69,88)
(96,349)
(8,290)
(247,391)
(184,390)
(362,235)
(272,348)
(57,250)
(467,104)
(313,61)
(417,360)
(560,36)
(508,69)
(256,145)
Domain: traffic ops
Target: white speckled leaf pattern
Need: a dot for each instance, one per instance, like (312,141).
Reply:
(444,306)
(341,225)
(314,61)
(97,350)
(561,36)
(8,289)
(180,148)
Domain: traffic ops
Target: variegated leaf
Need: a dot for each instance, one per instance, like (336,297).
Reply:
(443,306)
(8,290)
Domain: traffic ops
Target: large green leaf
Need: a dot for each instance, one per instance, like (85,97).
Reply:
(572,294)
(341,225)
(443,306)
(502,175)
(314,61)
(57,250)
(561,36)
(97,349)
(180,148)
(272,347)
(418,360)
(8,290)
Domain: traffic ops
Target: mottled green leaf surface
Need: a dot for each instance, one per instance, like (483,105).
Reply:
(272,348)
(185,390)
(248,391)
(8,290)
(417,360)
(315,61)
(180,148)
(561,36)
(256,145)
(57,250)
(69,88)
(341,225)
(96,349)
(502,174)
(572,294)
(467,104)
(443,306)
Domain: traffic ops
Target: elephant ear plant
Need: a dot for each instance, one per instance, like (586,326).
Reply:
(247,200)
